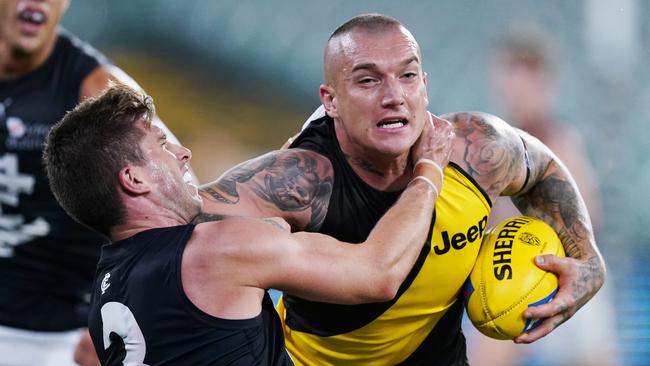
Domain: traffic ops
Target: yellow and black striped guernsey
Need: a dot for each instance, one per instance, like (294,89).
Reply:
(421,326)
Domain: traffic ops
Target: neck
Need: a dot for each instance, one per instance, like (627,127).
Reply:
(382,172)
(137,223)
(15,63)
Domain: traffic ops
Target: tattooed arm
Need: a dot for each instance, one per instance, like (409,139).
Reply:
(509,162)
(294,184)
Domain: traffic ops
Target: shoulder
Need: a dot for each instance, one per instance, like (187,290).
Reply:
(474,124)
(74,44)
(236,237)
(282,164)
(98,80)
(488,149)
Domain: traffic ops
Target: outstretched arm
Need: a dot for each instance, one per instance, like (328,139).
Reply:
(321,268)
(507,161)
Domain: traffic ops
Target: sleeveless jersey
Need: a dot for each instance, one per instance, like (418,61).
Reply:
(140,313)
(47,260)
(421,325)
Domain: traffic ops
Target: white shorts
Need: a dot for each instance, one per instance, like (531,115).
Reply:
(20,347)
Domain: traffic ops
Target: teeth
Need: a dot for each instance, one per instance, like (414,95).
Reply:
(187,177)
(38,17)
(390,125)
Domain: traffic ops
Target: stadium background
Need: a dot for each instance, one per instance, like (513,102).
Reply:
(235,78)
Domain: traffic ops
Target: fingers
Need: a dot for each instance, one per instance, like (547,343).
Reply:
(562,307)
(435,141)
(553,263)
(547,326)
(560,304)
(440,123)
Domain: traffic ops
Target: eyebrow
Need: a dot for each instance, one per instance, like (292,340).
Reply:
(371,66)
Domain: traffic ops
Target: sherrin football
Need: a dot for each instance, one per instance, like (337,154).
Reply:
(505,280)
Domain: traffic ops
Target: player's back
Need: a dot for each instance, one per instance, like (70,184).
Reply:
(140,312)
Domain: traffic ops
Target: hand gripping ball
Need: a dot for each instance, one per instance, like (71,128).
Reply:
(505,280)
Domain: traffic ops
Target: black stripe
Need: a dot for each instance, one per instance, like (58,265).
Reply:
(471,179)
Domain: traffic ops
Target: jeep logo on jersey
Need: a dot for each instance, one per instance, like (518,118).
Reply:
(459,240)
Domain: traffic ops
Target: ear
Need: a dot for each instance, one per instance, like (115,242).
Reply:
(132,180)
(328,100)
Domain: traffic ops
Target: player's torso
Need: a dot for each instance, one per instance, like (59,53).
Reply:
(46,259)
(420,315)
(138,297)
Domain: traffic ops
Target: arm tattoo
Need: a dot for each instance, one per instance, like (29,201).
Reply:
(207,217)
(489,158)
(293,184)
(555,200)
(239,174)
(290,182)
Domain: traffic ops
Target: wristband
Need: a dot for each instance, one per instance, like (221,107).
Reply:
(428,181)
(429,162)
(429,169)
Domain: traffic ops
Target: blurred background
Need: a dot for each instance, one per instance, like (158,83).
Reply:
(235,78)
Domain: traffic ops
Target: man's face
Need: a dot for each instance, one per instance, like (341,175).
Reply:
(169,175)
(377,91)
(26,26)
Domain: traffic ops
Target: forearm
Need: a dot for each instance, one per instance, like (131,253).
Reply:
(555,199)
(394,244)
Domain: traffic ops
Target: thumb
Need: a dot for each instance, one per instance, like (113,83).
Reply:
(549,262)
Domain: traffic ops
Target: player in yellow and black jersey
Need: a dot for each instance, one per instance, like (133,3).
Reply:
(375,100)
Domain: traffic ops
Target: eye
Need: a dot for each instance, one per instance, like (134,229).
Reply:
(367,80)
(410,75)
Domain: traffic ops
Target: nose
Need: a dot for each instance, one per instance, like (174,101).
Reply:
(182,153)
(393,93)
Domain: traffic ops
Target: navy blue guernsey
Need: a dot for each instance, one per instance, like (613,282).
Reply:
(138,303)
(47,260)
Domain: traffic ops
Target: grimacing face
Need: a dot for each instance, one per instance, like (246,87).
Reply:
(29,26)
(376,91)
(168,169)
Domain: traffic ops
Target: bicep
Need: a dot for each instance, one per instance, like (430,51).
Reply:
(293,184)
(490,151)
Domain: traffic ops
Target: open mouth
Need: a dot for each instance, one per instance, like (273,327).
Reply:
(392,124)
(32,16)
(187,177)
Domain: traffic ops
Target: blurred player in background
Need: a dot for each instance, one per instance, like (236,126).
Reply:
(524,73)
(47,261)
(375,98)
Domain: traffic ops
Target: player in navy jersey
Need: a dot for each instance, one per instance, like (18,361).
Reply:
(172,292)
(47,260)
